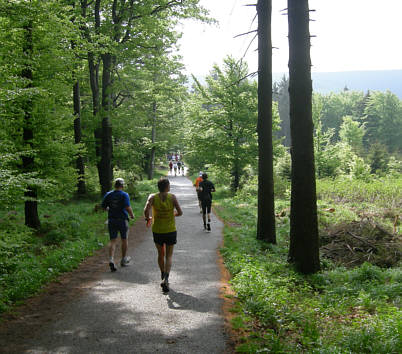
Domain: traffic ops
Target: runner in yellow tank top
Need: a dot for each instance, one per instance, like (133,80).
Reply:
(163,205)
(163,214)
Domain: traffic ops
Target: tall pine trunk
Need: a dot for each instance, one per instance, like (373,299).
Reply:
(31,194)
(304,243)
(266,209)
(151,166)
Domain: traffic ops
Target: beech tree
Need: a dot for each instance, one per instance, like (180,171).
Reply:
(120,33)
(36,114)
(150,120)
(224,114)
(304,243)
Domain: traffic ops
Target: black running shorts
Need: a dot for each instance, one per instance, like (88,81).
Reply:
(117,225)
(168,239)
(206,206)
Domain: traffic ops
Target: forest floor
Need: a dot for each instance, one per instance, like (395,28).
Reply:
(92,310)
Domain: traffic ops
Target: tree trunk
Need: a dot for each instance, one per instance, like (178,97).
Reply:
(81,188)
(304,243)
(94,84)
(31,205)
(236,171)
(93,68)
(266,208)
(105,164)
(152,156)
(235,178)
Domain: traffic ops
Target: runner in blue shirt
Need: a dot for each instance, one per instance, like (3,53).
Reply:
(117,203)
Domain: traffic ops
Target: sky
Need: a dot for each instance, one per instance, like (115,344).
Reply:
(350,35)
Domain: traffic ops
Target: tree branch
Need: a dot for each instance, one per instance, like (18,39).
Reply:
(243,34)
(243,78)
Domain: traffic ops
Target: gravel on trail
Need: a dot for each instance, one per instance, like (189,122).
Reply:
(126,311)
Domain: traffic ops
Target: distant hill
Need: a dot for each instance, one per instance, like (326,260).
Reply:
(376,80)
(381,80)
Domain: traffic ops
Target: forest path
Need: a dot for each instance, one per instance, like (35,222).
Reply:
(125,311)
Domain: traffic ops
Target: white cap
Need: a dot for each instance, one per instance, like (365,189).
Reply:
(119,182)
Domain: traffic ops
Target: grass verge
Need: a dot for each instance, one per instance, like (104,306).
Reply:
(337,310)
(70,232)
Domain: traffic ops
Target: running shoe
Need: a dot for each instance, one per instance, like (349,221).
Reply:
(112,267)
(165,286)
(125,261)
(208,227)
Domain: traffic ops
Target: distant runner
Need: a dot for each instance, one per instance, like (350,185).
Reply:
(163,227)
(175,168)
(182,168)
(179,166)
(117,203)
(171,167)
(206,188)
(196,184)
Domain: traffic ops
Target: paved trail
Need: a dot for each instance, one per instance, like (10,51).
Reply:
(126,312)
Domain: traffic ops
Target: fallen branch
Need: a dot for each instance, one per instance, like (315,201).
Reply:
(362,240)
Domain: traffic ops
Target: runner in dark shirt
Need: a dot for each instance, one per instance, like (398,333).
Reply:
(117,203)
(205,192)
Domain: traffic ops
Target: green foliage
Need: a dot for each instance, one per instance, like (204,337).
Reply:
(351,133)
(44,98)
(383,118)
(338,310)
(383,192)
(378,158)
(28,260)
(71,232)
(335,106)
(224,113)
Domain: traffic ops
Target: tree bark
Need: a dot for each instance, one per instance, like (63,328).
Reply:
(266,209)
(236,170)
(28,163)
(79,162)
(153,138)
(93,69)
(304,242)
(105,164)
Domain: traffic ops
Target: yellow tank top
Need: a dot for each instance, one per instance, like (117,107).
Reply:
(163,215)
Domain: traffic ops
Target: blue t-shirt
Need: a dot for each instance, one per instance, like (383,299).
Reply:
(117,201)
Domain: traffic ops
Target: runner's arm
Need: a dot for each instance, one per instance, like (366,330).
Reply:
(104,202)
(148,207)
(176,204)
(130,212)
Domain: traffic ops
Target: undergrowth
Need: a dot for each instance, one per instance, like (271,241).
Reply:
(69,232)
(337,310)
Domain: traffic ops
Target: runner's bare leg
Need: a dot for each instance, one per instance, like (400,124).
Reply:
(124,246)
(112,247)
(161,257)
(169,256)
